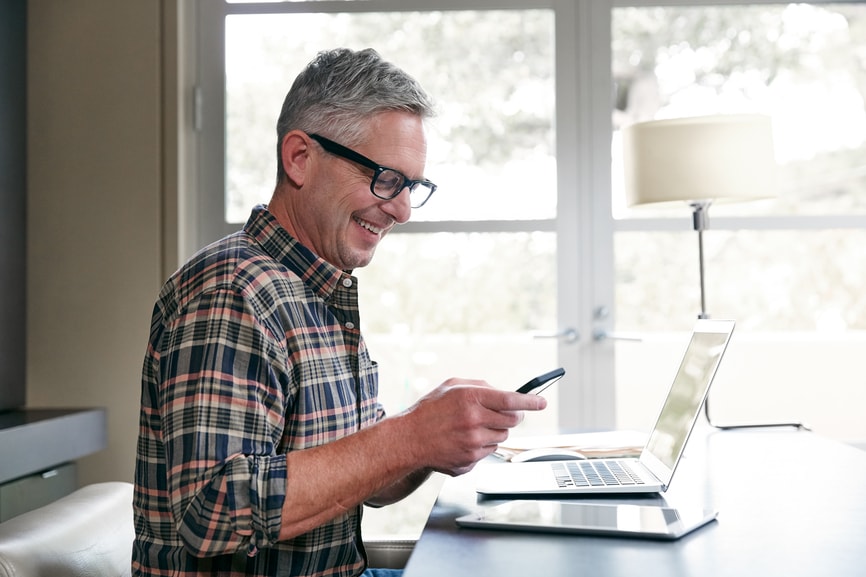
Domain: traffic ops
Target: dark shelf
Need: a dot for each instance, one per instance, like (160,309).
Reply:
(34,440)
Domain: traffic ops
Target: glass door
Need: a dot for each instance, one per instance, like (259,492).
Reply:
(484,281)
(490,279)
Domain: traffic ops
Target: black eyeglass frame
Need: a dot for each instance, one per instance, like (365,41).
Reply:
(338,149)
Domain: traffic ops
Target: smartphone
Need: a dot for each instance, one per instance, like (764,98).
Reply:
(541,382)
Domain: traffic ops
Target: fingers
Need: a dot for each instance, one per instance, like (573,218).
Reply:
(498,400)
(462,422)
(512,401)
(486,407)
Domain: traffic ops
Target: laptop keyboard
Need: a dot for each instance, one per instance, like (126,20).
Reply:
(591,473)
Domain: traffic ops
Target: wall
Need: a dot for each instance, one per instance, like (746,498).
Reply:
(94,210)
(12,198)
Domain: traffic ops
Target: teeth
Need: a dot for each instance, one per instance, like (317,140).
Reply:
(368,226)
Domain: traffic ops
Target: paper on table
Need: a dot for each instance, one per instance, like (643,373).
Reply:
(604,444)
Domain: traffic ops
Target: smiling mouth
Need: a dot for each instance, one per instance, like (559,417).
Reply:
(366,225)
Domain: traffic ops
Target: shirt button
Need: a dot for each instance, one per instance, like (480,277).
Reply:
(350,325)
(347,282)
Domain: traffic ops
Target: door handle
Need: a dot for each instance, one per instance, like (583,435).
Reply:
(601,334)
(568,335)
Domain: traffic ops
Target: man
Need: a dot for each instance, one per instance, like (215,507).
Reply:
(261,435)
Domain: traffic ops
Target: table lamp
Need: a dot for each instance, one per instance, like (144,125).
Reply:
(700,161)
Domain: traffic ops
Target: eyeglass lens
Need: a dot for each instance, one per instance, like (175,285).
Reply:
(388,183)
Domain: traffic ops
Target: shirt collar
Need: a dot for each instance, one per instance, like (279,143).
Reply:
(321,276)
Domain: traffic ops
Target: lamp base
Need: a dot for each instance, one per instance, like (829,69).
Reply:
(796,425)
(780,424)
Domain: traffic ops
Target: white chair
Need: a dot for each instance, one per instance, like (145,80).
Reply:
(88,533)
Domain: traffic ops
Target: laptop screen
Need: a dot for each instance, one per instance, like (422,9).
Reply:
(683,403)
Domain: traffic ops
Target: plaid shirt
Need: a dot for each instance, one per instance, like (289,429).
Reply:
(254,351)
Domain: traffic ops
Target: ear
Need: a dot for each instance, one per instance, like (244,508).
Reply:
(294,155)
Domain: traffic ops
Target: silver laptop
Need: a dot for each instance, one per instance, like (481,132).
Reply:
(653,470)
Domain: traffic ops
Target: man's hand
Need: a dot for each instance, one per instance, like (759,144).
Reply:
(462,421)
(449,430)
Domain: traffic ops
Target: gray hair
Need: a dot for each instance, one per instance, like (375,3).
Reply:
(340,90)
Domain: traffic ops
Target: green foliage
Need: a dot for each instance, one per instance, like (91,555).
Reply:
(491,73)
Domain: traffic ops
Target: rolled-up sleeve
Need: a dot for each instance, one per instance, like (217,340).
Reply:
(224,405)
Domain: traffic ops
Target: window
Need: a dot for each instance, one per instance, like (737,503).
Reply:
(784,268)
(528,234)
(493,133)
(489,230)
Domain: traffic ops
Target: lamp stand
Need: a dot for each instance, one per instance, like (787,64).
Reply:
(701,221)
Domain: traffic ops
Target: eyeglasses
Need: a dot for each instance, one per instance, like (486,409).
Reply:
(387,183)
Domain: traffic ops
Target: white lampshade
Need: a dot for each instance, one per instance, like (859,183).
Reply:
(705,158)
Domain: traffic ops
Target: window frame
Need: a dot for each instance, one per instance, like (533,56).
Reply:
(201,206)
(585,223)
(583,151)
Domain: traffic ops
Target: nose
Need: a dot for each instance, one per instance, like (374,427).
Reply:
(400,207)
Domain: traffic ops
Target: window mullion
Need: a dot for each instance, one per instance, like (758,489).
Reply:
(854,221)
